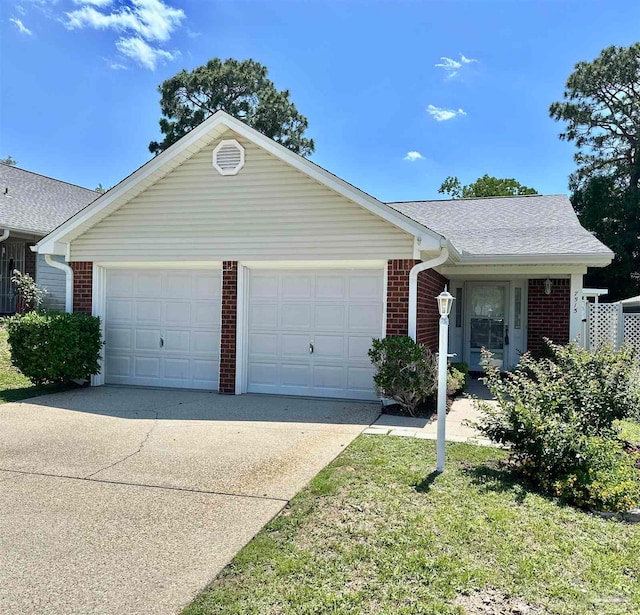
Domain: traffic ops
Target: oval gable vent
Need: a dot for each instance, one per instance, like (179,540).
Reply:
(228,157)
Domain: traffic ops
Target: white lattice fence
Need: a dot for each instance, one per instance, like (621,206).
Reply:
(632,329)
(608,324)
(603,324)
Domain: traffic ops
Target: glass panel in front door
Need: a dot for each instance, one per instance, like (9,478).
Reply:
(486,323)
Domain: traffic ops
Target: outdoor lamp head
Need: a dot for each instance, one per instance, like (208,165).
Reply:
(445,302)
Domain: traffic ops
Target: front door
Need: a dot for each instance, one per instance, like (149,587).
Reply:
(486,325)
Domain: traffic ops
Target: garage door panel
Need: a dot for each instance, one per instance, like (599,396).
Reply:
(177,369)
(119,309)
(177,312)
(203,372)
(328,346)
(365,287)
(147,339)
(263,345)
(358,348)
(330,287)
(176,340)
(263,316)
(296,286)
(205,342)
(118,365)
(294,345)
(329,377)
(359,379)
(148,285)
(161,305)
(365,317)
(177,286)
(295,316)
(119,338)
(337,312)
(295,375)
(205,287)
(329,317)
(121,284)
(146,367)
(148,311)
(263,374)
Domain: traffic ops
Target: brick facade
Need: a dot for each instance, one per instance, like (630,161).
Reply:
(228,328)
(29,261)
(398,296)
(548,315)
(430,285)
(82,286)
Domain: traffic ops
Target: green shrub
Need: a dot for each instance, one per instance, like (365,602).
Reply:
(604,478)
(55,347)
(456,379)
(553,413)
(405,371)
(463,368)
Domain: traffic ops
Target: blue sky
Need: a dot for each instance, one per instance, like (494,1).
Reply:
(78,98)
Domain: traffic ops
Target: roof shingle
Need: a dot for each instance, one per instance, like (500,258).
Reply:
(37,204)
(519,225)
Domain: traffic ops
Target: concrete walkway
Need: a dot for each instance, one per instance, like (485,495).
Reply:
(117,500)
(458,429)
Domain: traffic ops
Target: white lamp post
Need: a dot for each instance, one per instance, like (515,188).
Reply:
(445,303)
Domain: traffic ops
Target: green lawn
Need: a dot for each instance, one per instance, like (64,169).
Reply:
(377,532)
(13,385)
(630,431)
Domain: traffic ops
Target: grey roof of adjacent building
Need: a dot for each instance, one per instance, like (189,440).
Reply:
(37,204)
(518,225)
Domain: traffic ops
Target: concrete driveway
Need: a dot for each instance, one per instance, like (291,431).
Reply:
(121,500)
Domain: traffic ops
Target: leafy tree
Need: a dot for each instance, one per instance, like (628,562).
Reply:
(611,212)
(100,188)
(601,108)
(12,162)
(242,89)
(483,186)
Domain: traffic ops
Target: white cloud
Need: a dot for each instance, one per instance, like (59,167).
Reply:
(143,24)
(413,156)
(442,115)
(114,64)
(153,20)
(94,2)
(21,27)
(143,53)
(452,67)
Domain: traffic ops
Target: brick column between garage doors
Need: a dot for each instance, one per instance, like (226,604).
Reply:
(228,324)
(82,286)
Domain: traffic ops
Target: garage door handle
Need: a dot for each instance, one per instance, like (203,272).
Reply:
(310,348)
(162,342)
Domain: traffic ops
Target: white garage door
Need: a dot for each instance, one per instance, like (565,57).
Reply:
(163,328)
(309,332)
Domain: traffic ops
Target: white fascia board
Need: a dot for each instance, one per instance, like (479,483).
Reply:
(517,270)
(591,260)
(220,118)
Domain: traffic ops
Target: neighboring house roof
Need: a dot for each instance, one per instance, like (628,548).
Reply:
(37,204)
(517,226)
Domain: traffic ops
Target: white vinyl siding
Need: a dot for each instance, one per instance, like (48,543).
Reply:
(54,280)
(268,211)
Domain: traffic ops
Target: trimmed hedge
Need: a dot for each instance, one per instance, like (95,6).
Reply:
(55,347)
